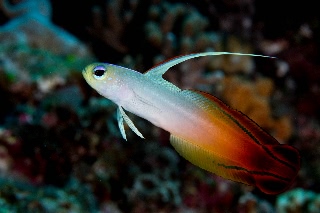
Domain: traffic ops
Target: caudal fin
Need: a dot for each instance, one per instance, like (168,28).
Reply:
(283,172)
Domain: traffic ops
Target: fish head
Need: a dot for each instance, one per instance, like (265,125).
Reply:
(102,78)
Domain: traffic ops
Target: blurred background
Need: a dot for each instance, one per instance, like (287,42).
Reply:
(60,147)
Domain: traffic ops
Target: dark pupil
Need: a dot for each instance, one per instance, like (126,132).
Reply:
(99,72)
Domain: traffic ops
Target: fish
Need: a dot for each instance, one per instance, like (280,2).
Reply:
(203,129)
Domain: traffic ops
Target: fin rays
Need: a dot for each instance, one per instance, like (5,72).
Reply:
(122,116)
(161,68)
(268,182)
(207,161)
(249,127)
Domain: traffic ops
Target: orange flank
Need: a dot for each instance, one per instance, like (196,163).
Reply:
(241,151)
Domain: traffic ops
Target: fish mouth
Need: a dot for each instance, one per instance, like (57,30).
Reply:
(85,76)
(84,72)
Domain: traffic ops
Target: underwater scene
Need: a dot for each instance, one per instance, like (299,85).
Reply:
(85,128)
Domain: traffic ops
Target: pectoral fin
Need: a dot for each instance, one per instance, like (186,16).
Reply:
(121,115)
(120,124)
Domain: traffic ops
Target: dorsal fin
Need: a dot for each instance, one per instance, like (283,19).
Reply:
(236,116)
(160,69)
(210,103)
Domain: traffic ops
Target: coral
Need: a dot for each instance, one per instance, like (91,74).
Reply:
(17,196)
(34,14)
(9,144)
(31,45)
(254,99)
(304,69)
(307,139)
(5,160)
(248,202)
(298,200)
(233,64)
(115,26)
(283,128)
(161,34)
(155,178)
(236,17)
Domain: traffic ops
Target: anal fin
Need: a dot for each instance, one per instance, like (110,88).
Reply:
(210,161)
(268,180)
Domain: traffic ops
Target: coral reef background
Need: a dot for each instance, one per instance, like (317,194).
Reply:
(60,147)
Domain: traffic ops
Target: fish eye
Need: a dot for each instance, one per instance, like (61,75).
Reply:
(98,72)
